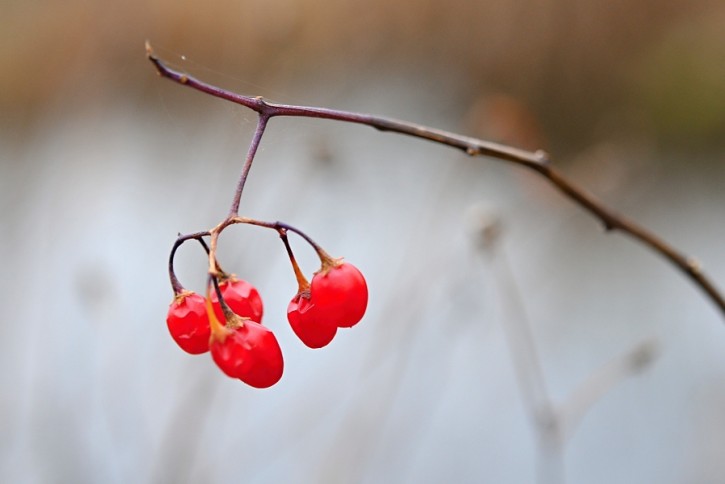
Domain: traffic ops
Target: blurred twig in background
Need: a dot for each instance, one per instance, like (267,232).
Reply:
(553,423)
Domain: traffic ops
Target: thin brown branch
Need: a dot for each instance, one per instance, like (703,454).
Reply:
(537,161)
(261,124)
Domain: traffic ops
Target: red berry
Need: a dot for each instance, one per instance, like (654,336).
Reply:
(242,297)
(302,316)
(340,295)
(188,323)
(251,353)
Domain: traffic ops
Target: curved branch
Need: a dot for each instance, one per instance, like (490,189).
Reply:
(537,161)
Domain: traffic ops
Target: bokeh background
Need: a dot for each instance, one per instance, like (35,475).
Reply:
(474,360)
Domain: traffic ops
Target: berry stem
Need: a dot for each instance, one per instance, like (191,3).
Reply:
(218,291)
(216,273)
(214,269)
(259,131)
(218,331)
(176,285)
(302,282)
(327,261)
(222,275)
(278,226)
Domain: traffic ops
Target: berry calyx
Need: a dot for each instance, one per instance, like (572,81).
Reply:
(188,322)
(302,316)
(241,297)
(339,293)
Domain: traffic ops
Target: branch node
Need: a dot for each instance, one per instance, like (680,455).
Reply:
(643,355)
(260,102)
(473,151)
(608,226)
(542,157)
(694,265)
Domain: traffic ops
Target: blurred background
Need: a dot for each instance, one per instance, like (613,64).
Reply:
(507,338)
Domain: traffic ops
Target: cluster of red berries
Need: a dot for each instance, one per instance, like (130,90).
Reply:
(232,330)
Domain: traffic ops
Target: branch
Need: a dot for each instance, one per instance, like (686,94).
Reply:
(537,161)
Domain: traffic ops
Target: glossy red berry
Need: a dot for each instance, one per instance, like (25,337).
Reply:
(188,323)
(302,316)
(340,295)
(251,353)
(242,297)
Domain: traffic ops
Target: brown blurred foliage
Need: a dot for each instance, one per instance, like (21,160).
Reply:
(567,61)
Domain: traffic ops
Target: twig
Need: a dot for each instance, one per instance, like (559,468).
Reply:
(599,383)
(545,417)
(537,161)
(553,423)
(261,125)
